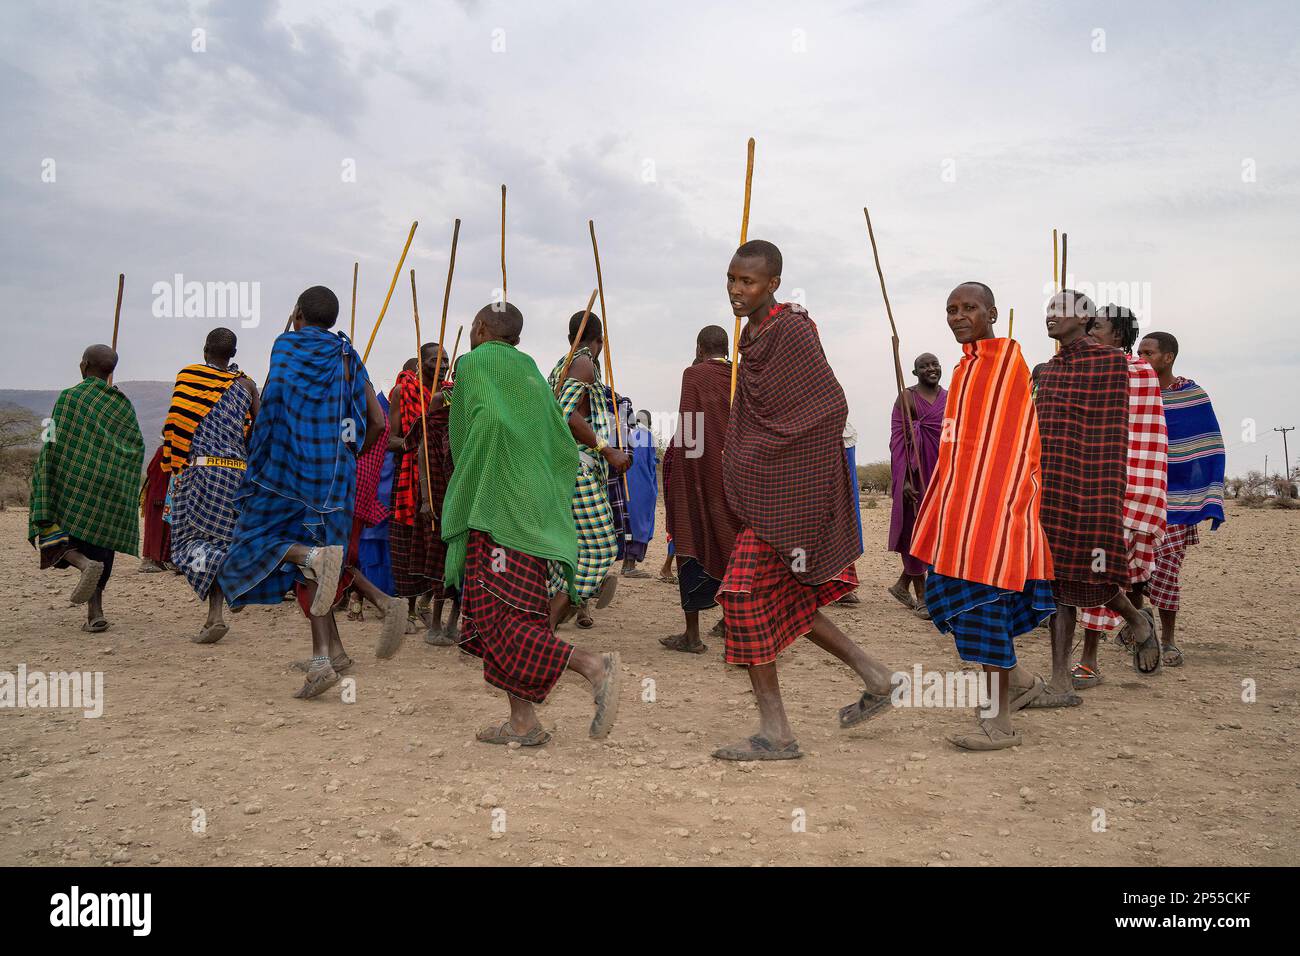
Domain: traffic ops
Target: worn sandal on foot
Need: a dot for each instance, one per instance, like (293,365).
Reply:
(606,695)
(211,633)
(1082,676)
(394,629)
(678,642)
(320,678)
(505,734)
(987,737)
(758,747)
(864,708)
(88,582)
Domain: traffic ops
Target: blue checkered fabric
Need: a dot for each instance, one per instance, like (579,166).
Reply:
(984,620)
(300,487)
(203,509)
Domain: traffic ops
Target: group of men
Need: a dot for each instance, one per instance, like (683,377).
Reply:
(1067,497)
(512,495)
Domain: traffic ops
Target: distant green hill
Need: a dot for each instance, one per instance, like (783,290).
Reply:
(151,401)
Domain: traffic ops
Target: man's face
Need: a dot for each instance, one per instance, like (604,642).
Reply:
(927,370)
(1149,352)
(1103,332)
(429,361)
(1064,321)
(970,317)
(748,285)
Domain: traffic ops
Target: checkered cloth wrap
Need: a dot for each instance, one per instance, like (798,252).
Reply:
(784,468)
(592,515)
(1083,401)
(370,466)
(616,485)
(979,519)
(1144,496)
(505,619)
(406,486)
(597,540)
(766,607)
(1164,590)
(300,485)
(86,481)
(419,558)
(203,498)
(984,620)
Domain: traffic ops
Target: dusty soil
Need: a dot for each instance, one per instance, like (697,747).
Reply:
(1184,770)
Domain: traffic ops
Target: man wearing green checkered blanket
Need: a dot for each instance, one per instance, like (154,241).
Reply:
(86,484)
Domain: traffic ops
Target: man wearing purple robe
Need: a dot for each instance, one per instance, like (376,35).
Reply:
(926,401)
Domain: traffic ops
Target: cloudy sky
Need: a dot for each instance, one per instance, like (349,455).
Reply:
(286,140)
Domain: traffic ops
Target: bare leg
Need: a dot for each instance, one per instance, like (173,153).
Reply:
(1140,628)
(560,606)
(95,606)
(523,716)
(452,629)
(772,721)
(1002,678)
(215,601)
(918,587)
(1062,642)
(366,588)
(875,675)
(689,640)
(1089,656)
(1168,625)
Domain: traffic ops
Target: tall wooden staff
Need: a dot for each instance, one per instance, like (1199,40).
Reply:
(568,359)
(609,361)
(1055,272)
(352,329)
(1065,252)
(446,300)
(455,351)
(1011,324)
(117,314)
(391,286)
(503,244)
(419,371)
(913,465)
(744,235)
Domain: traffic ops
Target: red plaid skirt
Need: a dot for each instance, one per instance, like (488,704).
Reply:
(505,606)
(419,557)
(1083,594)
(1165,591)
(765,606)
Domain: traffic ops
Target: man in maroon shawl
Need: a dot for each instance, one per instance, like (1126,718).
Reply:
(787,480)
(1082,402)
(157,549)
(925,404)
(701,524)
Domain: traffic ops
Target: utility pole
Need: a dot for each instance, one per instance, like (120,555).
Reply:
(1286,457)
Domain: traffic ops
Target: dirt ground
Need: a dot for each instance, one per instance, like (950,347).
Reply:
(202,756)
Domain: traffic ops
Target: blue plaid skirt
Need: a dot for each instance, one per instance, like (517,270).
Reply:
(984,620)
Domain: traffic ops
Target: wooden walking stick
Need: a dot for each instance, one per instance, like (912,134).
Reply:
(352,329)
(503,244)
(568,359)
(913,465)
(117,313)
(424,422)
(1065,251)
(744,235)
(609,360)
(1011,323)
(391,286)
(455,351)
(1055,247)
(446,300)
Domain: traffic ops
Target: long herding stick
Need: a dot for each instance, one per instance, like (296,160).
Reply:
(568,359)
(1065,251)
(455,351)
(446,299)
(117,314)
(1056,287)
(744,235)
(391,286)
(609,361)
(503,244)
(1011,324)
(352,329)
(909,444)
(424,422)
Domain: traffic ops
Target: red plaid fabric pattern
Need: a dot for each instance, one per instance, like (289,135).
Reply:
(419,557)
(765,606)
(1145,495)
(406,483)
(1164,589)
(784,468)
(369,509)
(1083,400)
(505,620)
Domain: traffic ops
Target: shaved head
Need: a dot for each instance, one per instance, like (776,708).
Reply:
(504,324)
(925,358)
(98,361)
(987,292)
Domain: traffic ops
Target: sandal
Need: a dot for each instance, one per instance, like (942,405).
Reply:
(987,737)
(903,598)
(584,620)
(390,635)
(1082,676)
(211,633)
(606,695)
(1139,646)
(758,747)
(1022,697)
(97,626)
(678,642)
(864,708)
(606,593)
(505,734)
(922,611)
(88,582)
(324,565)
(320,678)
(340,663)
(1049,698)
(1170,655)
